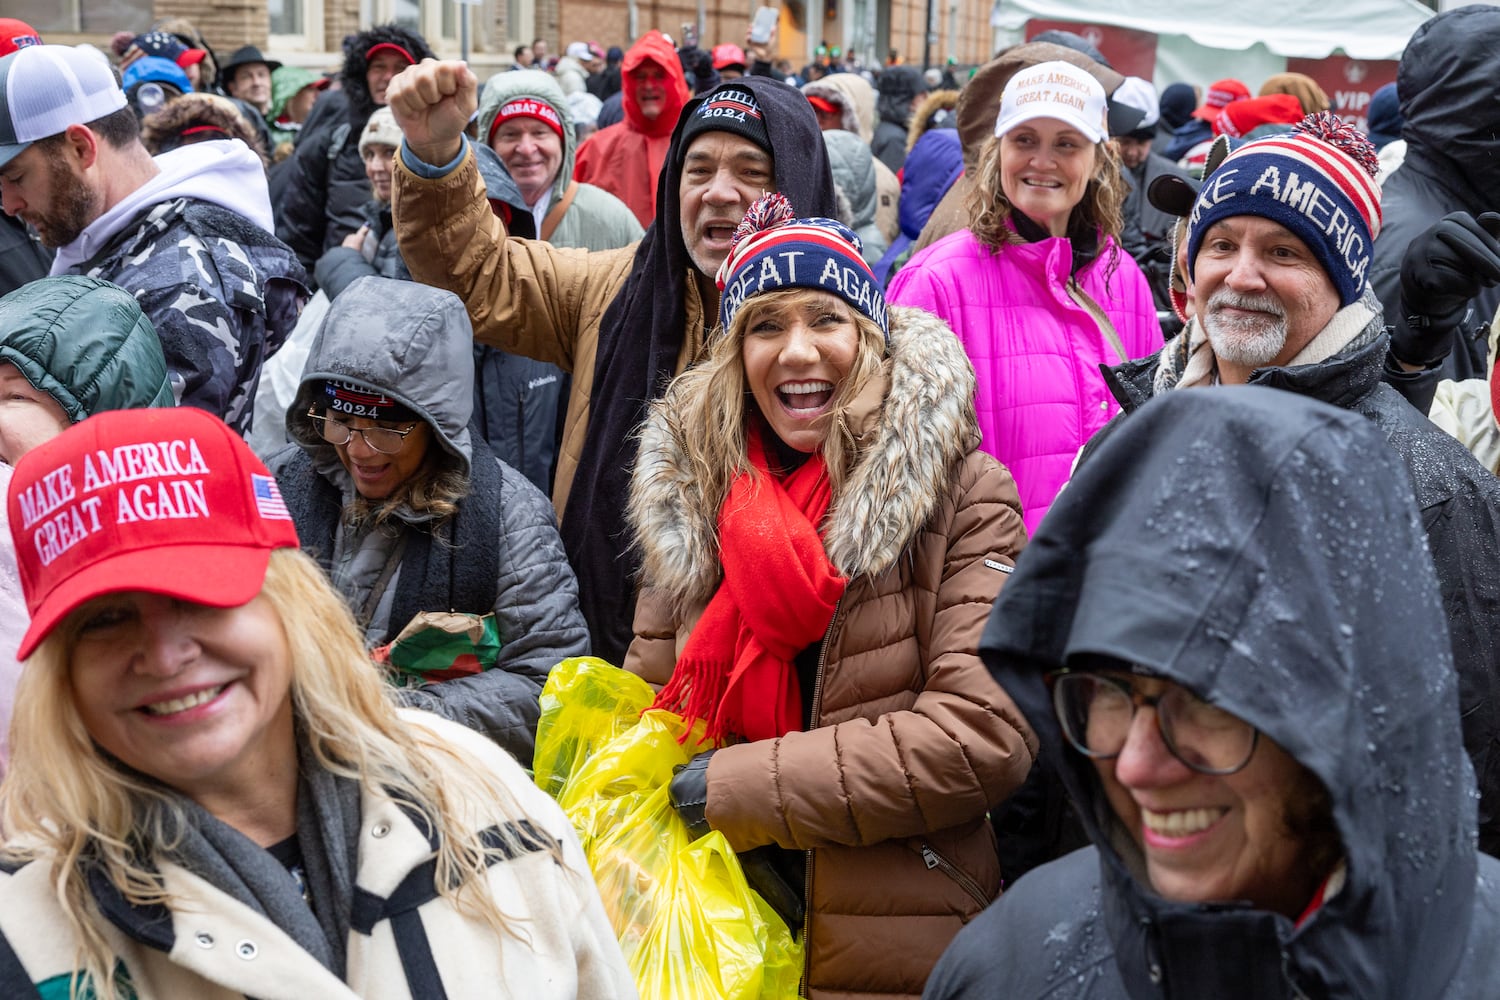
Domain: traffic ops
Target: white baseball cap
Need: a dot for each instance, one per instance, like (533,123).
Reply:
(1057,90)
(46,88)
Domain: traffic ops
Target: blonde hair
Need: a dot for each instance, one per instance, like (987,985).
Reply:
(707,406)
(63,801)
(1101,207)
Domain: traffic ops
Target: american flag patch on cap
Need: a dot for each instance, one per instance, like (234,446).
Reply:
(268,500)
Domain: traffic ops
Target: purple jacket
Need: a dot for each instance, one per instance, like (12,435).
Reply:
(1036,352)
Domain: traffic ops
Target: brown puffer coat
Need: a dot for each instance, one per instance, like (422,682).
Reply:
(913,742)
(532,299)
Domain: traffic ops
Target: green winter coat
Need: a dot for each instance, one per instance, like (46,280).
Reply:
(86,343)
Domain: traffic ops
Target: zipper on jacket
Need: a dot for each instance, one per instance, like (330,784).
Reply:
(817,704)
(932,859)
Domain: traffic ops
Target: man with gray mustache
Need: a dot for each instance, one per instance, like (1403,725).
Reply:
(1277,254)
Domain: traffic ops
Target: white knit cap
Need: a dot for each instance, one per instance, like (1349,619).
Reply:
(380,130)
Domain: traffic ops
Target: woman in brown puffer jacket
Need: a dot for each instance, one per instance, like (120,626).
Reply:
(822,542)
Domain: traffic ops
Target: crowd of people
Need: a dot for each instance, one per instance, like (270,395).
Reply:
(911,436)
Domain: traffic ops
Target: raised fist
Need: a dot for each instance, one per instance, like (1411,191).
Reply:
(432,102)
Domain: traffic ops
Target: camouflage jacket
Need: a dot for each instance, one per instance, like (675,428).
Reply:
(222,293)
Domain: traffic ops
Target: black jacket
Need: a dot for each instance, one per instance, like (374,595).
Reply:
(1451,103)
(1261,550)
(22,258)
(325,188)
(1459,502)
(899,85)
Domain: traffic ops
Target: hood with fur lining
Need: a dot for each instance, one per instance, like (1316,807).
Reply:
(916,433)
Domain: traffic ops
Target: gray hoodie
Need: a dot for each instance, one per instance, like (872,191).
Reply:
(414,343)
(853,167)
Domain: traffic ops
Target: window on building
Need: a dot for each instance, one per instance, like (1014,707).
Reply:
(82,16)
(287,16)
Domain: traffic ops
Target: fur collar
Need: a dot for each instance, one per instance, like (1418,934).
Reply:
(924,425)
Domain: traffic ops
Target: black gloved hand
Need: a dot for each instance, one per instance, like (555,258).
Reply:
(1442,270)
(688,793)
(772,884)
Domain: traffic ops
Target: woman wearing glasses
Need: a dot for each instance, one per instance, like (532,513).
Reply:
(1228,635)
(395,495)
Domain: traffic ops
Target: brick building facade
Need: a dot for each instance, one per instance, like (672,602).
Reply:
(308,32)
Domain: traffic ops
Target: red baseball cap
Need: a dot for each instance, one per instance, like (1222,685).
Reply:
(389,47)
(169,501)
(16,34)
(728,54)
(1221,93)
(823,105)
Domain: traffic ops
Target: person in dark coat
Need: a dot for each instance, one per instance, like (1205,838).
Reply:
(325,186)
(22,256)
(1278,303)
(1248,588)
(900,87)
(1450,98)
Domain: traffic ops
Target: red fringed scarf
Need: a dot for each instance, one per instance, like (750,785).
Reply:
(778,597)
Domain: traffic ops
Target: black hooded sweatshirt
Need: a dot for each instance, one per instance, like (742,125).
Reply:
(324,189)
(639,341)
(1450,96)
(1262,550)
(1460,504)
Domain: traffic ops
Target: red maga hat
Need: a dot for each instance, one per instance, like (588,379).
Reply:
(168,501)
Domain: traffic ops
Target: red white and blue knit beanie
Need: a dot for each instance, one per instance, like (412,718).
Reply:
(1317,180)
(773,250)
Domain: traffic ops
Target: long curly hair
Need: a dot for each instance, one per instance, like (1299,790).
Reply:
(1101,207)
(64,803)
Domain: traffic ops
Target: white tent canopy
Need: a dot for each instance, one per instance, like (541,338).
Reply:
(1363,29)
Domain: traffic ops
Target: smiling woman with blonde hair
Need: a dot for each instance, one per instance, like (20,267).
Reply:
(1038,289)
(821,542)
(212,793)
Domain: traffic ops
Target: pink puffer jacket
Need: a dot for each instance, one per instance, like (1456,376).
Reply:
(1035,350)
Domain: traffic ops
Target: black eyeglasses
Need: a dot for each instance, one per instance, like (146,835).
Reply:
(386,440)
(1096,712)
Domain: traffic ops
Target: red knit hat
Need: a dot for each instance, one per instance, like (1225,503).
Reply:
(1220,94)
(1239,117)
(167,501)
(527,107)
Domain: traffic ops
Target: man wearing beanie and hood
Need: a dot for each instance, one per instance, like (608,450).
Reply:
(627,157)
(621,322)
(325,187)
(1277,254)
(526,120)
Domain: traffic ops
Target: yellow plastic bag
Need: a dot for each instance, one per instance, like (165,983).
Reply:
(689,924)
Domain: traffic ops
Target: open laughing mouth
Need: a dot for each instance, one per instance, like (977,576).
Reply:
(805,398)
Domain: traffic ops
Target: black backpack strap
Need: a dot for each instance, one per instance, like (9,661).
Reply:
(14,981)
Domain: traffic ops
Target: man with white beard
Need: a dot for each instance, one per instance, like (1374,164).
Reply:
(1277,255)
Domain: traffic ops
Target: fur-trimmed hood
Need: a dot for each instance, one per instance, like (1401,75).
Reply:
(935,111)
(357,63)
(921,429)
